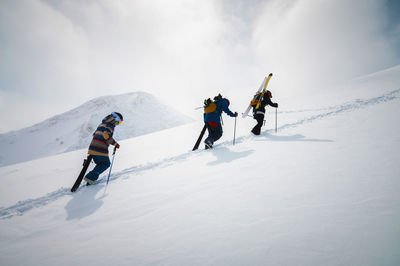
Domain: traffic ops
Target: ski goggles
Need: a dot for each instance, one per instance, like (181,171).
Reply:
(117,118)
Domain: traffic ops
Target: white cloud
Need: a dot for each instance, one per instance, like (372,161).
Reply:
(42,53)
(57,54)
(311,43)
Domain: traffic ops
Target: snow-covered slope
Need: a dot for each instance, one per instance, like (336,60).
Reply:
(323,190)
(72,130)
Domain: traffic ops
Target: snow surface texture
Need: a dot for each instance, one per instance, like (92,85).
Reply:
(73,130)
(323,190)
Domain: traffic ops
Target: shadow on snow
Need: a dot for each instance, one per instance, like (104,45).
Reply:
(84,204)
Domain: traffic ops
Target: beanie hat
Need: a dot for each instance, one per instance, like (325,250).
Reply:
(118,117)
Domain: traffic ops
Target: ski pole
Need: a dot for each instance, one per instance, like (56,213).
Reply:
(276,120)
(109,173)
(234,133)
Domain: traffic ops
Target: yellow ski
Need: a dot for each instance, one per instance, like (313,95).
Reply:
(263,91)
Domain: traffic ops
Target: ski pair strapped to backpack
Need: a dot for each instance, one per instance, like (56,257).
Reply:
(256,101)
(263,91)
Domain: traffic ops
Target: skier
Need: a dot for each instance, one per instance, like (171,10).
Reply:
(98,148)
(212,118)
(258,114)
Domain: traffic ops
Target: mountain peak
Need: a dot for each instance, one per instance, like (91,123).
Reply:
(73,129)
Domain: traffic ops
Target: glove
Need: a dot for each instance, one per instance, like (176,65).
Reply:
(235,114)
(117,145)
(276,105)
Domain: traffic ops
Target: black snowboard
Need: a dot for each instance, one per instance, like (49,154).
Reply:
(196,146)
(78,181)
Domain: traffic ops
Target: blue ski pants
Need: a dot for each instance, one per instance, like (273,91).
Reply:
(102,164)
(214,133)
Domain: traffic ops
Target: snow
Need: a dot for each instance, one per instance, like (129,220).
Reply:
(142,112)
(323,190)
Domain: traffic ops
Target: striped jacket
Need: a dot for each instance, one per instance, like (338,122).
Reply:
(102,137)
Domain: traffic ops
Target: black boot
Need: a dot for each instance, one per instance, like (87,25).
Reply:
(208,145)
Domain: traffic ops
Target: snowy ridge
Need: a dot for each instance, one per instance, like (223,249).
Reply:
(338,109)
(323,190)
(73,130)
(22,207)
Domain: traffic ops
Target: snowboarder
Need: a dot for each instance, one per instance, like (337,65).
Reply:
(98,148)
(258,114)
(212,118)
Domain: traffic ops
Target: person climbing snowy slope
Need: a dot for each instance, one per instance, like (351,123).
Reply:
(102,138)
(259,113)
(212,118)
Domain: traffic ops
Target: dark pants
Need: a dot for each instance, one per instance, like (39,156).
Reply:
(260,120)
(214,133)
(102,164)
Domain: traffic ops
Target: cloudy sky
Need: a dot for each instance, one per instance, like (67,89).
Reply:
(57,54)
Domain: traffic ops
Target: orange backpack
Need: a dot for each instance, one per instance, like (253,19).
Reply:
(256,100)
(209,106)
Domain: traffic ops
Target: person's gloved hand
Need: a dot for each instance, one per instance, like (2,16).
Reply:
(236,114)
(117,145)
(276,105)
